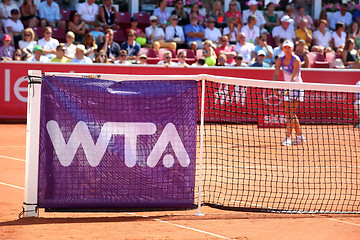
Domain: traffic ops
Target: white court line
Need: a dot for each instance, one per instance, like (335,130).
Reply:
(181,226)
(10,185)
(12,158)
(336,220)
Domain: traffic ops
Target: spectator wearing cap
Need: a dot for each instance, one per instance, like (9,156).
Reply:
(265,47)
(97,32)
(28,43)
(322,38)
(60,54)
(211,32)
(284,30)
(89,12)
(28,12)
(14,26)
(253,10)
(341,16)
(338,37)
(225,49)
(131,46)
(239,61)
(251,31)
(179,11)
(304,33)
(134,26)
(173,32)
(108,15)
(156,35)
(49,13)
(5,10)
(167,60)
(112,48)
(7,50)
(142,59)
(162,13)
(122,58)
(77,26)
(38,55)
(246,49)
(232,30)
(70,46)
(194,33)
(260,60)
(80,55)
(48,43)
(233,12)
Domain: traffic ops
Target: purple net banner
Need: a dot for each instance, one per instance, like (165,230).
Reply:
(107,144)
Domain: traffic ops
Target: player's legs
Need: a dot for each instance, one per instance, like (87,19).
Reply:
(292,123)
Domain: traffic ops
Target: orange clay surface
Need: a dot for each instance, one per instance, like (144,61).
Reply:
(216,224)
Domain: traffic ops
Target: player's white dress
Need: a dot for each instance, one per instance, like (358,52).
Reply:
(292,95)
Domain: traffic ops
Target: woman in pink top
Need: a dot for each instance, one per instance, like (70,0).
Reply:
(301,15)
(233,12)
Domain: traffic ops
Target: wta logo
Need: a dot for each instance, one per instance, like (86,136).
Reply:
(95,151)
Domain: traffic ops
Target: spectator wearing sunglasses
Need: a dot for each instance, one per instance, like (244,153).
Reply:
(48,43)
(181,13)
(101,57)
(122,58)
(131,46)
(182,57)
(211,32)
(17,55)
(239,61)
(260,60)
(167,60)
(194,33)
(27,43)
(112,48)
(266,48)
(60,55)
(142,59)
(225,49)
(173,32)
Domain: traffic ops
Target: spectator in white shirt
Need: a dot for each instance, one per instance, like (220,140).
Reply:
(27,44)
(211,32)
(232,29)
(251,31)
(341,16)
(322,38)
(14,26)
(38,55)
(167,60)
(89,12)
(5,10)
(155,35)
(338,37)
(253,10)
(173,32)
(284,31)
(48,43)
(123,55)
(49,12)
(246,49)
(80,55)
(162,13)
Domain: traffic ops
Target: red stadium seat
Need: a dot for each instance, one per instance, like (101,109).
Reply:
(152,57)
(270,40)
(124,20)
(317,60)
(38,32)
(190,55)
(119,36)
(59,34)
(199,53)
(143,20)
(65,14)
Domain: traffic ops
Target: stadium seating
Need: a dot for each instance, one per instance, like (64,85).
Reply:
(65,14)
(59,34)
(199,53)
(317,60)
(190,55)
(270,40)
(143,20)
(38,32)
(124,20)
(152,57)
(119,36)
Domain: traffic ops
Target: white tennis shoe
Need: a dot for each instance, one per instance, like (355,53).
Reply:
(299,140)
(286,142)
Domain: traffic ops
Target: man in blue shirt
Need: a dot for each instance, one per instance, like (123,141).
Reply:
(80,55)
(131,46)
(49,12)
(194,33)
(260,60)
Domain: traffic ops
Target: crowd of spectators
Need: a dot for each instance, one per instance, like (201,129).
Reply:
(234,38)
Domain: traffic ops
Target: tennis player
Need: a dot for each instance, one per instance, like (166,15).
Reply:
(290,65)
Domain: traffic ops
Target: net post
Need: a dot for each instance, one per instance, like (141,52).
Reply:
(32,145)
(201,146)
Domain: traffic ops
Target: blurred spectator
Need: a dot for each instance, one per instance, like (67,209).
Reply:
(244,48)
(322,38)
(290,11)
(354,33)
(5,10)
(232,30)
(7,50)
(251,31)
(122,58)
(304,33)
(301,15)
(97,33)
(60,54)
(14,26)
(239,61)
(195,9)
(27,44)
(173,32)
(167,60)
(38,55)
(322,16)
(70,46)
(17,55)
(156,35)
(338,37)
(112,48)
(49,12)
(356,16)
(194,33)
(233,12)
(48,43)
(253,10)
(28,13)
(302,52)
(211,32)
(108,15)
(209,49)
(200,63)
(77,26)
(225,49)
(271,18)
(142,59)
(90,46)
(218,14)
(284,31)
(350,55)
(341,16)
(89,12)
(162,13)
(260,60)
(266,48)
(80,55)
(306,4)
(181,13)
(131,46)
(222,61)
(101,57)
(181,57)
(278,51)
(134,26)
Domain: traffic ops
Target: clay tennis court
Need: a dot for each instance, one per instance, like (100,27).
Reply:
(216,224)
